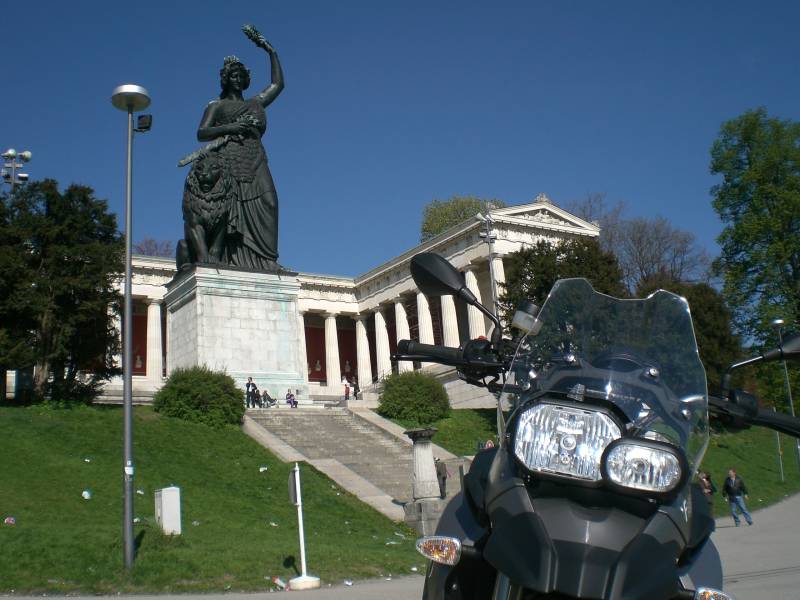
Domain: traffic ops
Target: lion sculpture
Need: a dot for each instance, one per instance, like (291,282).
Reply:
(206,205)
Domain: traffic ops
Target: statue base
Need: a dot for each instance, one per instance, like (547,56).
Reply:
(242,322)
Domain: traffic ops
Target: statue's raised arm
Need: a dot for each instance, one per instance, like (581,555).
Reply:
(269,93)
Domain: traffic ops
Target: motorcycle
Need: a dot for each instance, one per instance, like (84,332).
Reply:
(603,420)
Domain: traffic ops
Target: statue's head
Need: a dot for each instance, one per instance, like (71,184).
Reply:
(233,73)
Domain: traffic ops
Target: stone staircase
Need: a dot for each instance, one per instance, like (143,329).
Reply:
(337,433)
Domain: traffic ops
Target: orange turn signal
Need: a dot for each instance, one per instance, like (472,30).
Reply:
(440,549)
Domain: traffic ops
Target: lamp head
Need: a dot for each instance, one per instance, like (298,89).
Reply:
(25,156)
(10,154)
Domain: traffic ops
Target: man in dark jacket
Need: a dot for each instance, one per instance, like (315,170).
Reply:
(735,492)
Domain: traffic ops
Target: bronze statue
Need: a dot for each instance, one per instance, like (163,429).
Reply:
(233,126)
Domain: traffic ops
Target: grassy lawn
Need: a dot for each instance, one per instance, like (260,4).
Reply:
(753,453)
(461,432)
(238,526)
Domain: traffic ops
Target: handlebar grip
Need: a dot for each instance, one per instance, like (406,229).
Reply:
(778,421)
(440,354)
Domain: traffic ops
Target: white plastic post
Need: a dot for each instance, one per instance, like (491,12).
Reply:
(304,582)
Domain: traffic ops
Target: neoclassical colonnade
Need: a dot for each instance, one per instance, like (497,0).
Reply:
(377,330)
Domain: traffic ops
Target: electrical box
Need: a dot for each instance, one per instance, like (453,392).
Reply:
(168,510)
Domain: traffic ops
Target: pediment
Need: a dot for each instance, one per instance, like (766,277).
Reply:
(543,212)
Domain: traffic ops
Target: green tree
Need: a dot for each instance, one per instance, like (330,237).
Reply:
(758,201)
(16,277)
(440,215)
(531,272)
(72,254)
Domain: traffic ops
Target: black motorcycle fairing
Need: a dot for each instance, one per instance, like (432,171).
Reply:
(476,481)
(701,524)
(704,568)
(557,544)
(470,579)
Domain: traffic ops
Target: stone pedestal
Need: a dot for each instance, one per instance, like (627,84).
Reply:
(241,322)
(424,511)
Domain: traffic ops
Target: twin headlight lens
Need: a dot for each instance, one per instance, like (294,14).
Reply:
(587,444)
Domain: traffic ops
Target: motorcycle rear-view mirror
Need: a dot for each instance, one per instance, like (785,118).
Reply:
(435,276)
(788,350)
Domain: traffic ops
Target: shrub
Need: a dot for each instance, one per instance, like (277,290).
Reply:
(414,397)
(201,395)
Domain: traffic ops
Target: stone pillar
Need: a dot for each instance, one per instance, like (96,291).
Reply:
(450,322)
(155,363)
(382,353)
(477,327)
(333,373)
(301,324)
(424,483)
(403,332)
(424,319)
(364,368)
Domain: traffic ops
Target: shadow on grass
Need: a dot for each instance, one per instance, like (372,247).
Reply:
(290,562)
(137,542)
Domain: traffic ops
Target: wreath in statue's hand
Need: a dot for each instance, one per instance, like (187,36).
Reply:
(256,37)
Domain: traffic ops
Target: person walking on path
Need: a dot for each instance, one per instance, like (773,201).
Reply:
(442,474)
(735,492)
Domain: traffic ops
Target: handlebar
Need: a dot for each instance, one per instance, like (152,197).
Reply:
(777,421)
(411,350)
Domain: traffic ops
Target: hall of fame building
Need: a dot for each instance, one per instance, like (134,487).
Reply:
(351,325)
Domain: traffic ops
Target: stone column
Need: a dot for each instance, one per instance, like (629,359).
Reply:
(450,322)
(424,319)
(364,368)
(155,363)
(301,324)
(403,332)
(333,373)
(382,353)
(477,327)
(424,483)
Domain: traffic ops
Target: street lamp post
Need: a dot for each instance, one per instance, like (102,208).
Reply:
(490,237)
(777,324)
(9,171)
(129,98)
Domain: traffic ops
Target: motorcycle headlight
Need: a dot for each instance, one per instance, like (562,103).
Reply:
(645,465)
(564,439)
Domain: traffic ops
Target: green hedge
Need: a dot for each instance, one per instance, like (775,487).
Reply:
(414,397)
(201,395)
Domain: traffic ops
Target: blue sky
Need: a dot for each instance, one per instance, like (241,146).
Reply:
(389,105)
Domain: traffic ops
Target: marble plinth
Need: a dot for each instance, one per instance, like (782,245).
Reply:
(244,323)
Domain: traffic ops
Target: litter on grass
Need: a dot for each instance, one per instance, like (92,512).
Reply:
(195,523)
(348,582)
(279,583)
(86,495)
(137,520)
(400,535)
(263,468)
(9,521)
(87,460)
(392,543)
(273,524)
(414,569)
(140,492)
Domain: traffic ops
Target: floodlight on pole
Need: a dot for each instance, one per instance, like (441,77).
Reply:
(130,98)
(14,160)
(777,324)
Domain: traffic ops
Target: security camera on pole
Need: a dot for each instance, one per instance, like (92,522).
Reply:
(304,581)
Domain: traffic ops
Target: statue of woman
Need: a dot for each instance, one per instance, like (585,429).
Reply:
(235,125)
